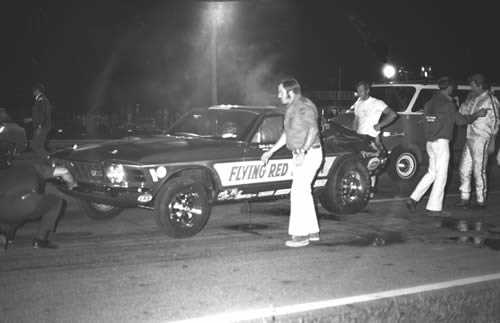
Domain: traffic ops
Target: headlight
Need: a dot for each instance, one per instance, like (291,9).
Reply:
(115,173)
(2,128)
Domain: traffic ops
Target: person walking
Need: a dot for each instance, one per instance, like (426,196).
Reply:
(370,116)
(440,117)
(479,134)
(301,137)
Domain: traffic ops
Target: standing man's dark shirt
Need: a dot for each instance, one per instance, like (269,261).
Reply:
(441,114)
(42,123)
(42,112)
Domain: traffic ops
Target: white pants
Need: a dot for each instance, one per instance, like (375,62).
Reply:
(437,174)
(474,160)
(303,219)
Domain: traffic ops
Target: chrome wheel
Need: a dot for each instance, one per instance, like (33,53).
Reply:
(351,186)
(406,165)
(184,207)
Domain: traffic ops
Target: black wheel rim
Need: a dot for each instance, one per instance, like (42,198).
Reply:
(351,187)
(185,208)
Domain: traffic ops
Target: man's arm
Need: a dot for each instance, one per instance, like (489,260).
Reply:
(463,119)
(280,143)
(277,146)
(46,172)
(388,116)
(312,133)
(355,123)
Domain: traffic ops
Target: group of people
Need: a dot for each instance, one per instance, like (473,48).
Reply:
(301,136)
(23,197)
(480,113)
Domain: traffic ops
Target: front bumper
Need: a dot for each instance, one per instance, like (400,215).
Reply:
(119,197)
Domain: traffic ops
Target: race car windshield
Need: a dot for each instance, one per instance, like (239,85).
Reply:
(228,124)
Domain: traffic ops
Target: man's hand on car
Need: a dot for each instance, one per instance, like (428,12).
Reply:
(66,176)
(266,156)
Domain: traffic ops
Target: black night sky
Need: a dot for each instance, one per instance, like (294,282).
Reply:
(107,55)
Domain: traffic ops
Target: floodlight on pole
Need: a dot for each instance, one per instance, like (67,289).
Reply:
(389,71)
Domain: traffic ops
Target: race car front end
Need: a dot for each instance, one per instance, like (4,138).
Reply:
(112,182)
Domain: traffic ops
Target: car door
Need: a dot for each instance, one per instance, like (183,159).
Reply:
(275,177)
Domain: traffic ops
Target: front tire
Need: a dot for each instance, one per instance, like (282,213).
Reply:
(97,211)
(182,208)
(348,188)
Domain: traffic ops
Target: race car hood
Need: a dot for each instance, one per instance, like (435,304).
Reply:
(340,139)
(160,149)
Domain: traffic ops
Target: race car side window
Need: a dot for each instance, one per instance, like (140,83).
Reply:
(423,96)
(269,131)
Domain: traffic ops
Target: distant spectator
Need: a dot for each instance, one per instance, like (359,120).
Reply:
(42,121)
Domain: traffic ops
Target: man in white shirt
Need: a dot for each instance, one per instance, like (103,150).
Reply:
(370,115)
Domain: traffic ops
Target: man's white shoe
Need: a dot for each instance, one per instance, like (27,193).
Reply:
(297,241)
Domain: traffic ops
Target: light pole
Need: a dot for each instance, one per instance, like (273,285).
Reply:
(216,11)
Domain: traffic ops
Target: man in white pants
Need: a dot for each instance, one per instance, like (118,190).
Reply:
(301,136)
(370,116)
(479,134)
(440,117)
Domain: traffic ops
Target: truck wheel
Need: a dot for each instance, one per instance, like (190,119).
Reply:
(403,164)
(181,208)
(98,211)
(348,187)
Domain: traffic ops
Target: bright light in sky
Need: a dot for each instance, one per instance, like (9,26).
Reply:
(389,71)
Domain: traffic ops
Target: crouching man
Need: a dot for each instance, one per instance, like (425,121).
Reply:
(23,199)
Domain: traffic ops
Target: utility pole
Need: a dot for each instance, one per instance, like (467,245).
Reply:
(213,58)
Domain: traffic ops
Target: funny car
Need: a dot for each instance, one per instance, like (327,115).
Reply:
(212,156)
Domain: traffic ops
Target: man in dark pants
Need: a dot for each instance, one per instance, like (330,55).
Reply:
(42,121)
(22,199)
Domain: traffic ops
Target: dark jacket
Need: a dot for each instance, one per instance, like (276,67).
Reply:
(21,187)
(441,114)
(42,113)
